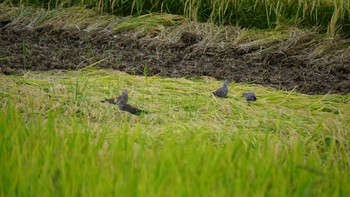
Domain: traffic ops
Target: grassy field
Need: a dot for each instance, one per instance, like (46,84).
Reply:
(57,138)
(331,16)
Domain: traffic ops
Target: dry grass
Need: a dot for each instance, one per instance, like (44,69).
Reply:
(331,16)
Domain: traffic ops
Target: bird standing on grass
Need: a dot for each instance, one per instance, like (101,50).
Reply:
(124,106)
(124,96)
(122,102)
(222,92)
(249,96)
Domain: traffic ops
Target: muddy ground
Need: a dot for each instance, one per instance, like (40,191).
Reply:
(276,64)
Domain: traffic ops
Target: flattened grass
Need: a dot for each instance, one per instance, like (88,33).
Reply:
(56,137)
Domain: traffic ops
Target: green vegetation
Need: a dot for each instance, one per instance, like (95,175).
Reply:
(57,138)
(331,16)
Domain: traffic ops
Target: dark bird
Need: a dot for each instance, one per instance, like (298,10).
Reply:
(124,96)
(128,108)
(122,102)
(249,96)
(111,101)
(222,92)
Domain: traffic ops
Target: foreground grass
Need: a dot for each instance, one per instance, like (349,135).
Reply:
(57,138)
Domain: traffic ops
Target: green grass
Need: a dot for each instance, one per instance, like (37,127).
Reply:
(57,138)
(331,16)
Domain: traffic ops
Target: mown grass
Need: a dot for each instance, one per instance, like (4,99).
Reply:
(331,16)
(57,138)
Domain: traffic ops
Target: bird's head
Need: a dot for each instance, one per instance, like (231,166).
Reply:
(125,96)
(225,82)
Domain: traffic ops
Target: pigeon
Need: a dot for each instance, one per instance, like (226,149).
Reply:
(124,96)
(128,108)
(111,101)
(249,96)
(122,102)
(222,92)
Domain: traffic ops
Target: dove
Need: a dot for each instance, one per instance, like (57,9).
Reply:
(111,101)
(124,96)
(122,102)
(128,108)
(249,96)
(222,92)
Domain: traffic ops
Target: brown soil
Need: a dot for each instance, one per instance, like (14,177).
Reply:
(281,65)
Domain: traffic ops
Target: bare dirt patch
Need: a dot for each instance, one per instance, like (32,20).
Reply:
(284,65)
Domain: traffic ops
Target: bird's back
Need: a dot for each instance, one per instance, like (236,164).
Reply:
(223,91)
(124,106)
(249,96)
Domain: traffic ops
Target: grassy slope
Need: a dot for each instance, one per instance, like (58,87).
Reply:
(56,137)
